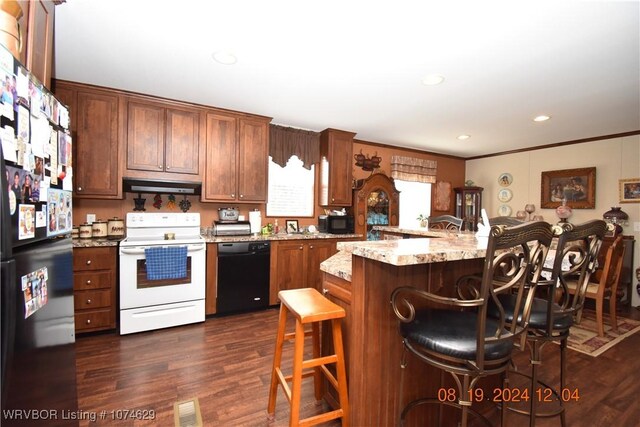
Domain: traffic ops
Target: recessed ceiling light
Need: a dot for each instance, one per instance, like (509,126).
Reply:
(463,137)
(432,79)
(224,57)
(541,118)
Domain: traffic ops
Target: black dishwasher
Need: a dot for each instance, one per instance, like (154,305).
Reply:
(243,276)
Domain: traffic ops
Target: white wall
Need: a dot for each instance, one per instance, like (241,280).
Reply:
(613,159)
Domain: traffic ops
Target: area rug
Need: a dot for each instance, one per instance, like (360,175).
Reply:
(584,337)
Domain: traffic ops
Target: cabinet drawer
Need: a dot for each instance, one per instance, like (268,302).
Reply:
(87,259)
(93,320)
(92,299)
(89,281)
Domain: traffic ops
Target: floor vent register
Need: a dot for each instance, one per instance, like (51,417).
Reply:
(187,413)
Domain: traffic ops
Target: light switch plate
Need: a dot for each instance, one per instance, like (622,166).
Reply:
(91,218)
(636,226)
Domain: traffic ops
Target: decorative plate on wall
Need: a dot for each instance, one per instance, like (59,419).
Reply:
(505,179)
(505,195)
(504,210)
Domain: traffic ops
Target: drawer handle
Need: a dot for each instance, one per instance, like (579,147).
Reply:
(89,282)
(88,262)
(89,301)
(325,291)
(88,321)
(310,246)
(300,248)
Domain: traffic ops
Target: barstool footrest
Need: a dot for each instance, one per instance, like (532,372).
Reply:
(322,418)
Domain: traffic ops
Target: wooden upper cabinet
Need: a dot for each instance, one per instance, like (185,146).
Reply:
(221,175)
(163,140)
(95,127)
(145,137)
(96,165)
(253,158)
(236,158)
(36,28)
(182,137)
(336,152)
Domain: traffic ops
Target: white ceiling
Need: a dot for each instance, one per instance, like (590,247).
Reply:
(359,65)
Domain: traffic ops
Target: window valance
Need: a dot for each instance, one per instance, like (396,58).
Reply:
(413,169)
(285,142)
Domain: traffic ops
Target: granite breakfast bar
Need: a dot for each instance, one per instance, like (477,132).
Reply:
(361,278)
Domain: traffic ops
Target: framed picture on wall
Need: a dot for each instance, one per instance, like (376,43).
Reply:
(575,186)
(629,190)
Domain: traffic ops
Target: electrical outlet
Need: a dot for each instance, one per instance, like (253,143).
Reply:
(91,218)
(636,226)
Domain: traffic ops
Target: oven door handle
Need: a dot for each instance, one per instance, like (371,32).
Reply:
(140,251)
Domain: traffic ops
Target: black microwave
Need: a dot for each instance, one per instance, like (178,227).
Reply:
(336,224)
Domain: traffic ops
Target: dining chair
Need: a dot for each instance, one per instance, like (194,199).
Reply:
(554,309)
(445,222)
(604,284)
(456,335)
(505,220)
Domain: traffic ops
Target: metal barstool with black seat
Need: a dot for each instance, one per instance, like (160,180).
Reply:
(309,307)
(553,311)
(456,335)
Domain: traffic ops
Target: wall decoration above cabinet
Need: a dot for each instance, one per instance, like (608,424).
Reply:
(505,195)
(505,179)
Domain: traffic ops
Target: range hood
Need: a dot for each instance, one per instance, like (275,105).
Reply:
(135,185)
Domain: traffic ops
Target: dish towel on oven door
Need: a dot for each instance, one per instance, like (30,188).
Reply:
(166,262)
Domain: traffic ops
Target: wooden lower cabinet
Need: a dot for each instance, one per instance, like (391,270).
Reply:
(338,291)
(212,279)
(94,288)
(296,264)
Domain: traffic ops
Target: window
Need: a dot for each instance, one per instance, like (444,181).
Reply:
(290,189)
(415,199)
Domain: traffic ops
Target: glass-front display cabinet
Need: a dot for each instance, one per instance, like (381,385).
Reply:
(468,205)
(376,201)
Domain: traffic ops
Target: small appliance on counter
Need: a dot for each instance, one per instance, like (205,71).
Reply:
(228,214)
(237,228)
(336,224)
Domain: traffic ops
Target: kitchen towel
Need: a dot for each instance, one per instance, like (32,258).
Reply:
(166,262)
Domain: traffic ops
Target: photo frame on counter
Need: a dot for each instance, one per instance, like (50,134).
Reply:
(292,226)
(575,186)
(629,190)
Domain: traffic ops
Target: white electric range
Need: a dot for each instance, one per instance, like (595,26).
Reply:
(148,302)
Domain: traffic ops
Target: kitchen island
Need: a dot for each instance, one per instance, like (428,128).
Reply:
(361,278)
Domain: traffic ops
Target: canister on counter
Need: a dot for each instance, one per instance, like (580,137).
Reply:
(85,231)
(99,229)
(75,232)
(115,228)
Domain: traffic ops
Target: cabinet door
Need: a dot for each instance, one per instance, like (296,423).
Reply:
(145,137)
(182,141)
(40,40)
(290,269)
(318,251)
(220,172)
(253,157)
(340,174)
(96,167)
(336,150)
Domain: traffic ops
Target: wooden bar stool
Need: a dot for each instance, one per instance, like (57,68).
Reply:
(309,307)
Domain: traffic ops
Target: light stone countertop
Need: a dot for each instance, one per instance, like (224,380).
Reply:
(404,252)
(421,231)
(91,243)
(94,243)
(272,237)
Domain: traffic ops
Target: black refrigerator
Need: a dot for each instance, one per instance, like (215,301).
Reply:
(38,376)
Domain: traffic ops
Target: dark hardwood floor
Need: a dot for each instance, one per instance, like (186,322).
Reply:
(225,362)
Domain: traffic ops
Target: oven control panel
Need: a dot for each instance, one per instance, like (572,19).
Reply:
(162,219)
